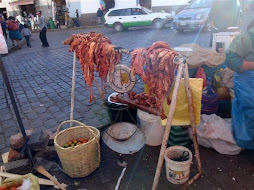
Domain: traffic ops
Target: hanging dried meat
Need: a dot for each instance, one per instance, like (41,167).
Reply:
(155,67)
(95,54)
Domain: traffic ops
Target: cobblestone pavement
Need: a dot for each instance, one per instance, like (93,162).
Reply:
(41,81)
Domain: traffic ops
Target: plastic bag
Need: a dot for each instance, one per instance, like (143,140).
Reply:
(10,182)
(215,132)
(209,100)
(201,74)
(243,109)
(181,114)
(3,45)
(26,185)
(227,76)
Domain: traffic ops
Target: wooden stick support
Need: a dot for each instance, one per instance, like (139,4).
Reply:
(1,178)
(186,185)
(99,89)
(192,117)
(168,127)
(73,86)
(42,170)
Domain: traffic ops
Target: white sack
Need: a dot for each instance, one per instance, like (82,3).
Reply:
(3,45)
(216,132)
(200,56)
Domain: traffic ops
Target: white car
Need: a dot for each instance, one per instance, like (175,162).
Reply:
(121,18)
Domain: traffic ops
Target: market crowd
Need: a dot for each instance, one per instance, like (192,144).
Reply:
(19,27)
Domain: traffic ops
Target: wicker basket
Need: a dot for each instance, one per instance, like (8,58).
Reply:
(81,160)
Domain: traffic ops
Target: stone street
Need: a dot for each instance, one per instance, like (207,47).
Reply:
(41,82)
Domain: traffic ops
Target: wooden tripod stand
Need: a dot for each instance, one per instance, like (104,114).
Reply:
(182,70)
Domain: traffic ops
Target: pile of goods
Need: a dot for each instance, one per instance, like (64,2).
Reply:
(19,184)
(155,67)
(95,53)
(75,142)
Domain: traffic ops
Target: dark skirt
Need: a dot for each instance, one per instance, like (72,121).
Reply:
(15,35)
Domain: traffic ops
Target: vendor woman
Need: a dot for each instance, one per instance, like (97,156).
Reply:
(240,58)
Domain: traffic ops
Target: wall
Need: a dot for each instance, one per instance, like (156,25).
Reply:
(72,5)
(89,6)
(125,3)
(88,11)
(169,9)
(169,5)
(44,6)
(169,2)
(11,10)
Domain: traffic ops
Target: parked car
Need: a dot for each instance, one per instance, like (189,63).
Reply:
(122,18)
(194,16)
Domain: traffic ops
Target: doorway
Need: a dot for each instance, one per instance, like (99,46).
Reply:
(109,4)
(3,12)
(27,9)
(145,3)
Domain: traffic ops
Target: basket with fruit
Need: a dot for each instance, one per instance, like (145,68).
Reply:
(82,143)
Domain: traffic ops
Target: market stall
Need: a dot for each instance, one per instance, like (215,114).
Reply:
(169,98)
(152,64)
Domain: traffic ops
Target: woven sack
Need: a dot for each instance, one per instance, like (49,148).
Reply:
(81,160)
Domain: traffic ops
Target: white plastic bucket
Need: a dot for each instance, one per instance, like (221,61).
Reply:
(151,125)
(177,172)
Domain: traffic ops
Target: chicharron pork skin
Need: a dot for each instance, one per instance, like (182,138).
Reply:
(155,67)
(95,54)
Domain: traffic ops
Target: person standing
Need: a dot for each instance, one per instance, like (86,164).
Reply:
(4,26)
(77,21)
(27,34)
(43,29)
(240,58)
(14,33)
(99,16)
(31,19)
(58,20)
(67,19)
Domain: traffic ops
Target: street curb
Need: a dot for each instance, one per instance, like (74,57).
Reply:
(75,28)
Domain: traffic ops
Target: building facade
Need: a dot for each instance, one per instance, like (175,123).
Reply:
(87,8)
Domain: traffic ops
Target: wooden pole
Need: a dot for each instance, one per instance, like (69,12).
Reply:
(192,117)
(42,171)
(186,185)
(168,127)
(73,86)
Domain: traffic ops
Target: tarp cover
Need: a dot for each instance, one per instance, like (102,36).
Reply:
(243,109)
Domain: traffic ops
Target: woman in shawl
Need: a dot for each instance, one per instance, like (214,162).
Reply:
(240,58)
(14,32)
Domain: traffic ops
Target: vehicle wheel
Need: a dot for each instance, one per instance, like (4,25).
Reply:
(179,30)
(118,27)
(158,24)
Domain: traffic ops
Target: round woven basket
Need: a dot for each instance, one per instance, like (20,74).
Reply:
(81,160)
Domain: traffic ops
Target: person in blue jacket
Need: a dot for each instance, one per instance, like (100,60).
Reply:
(240,58)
